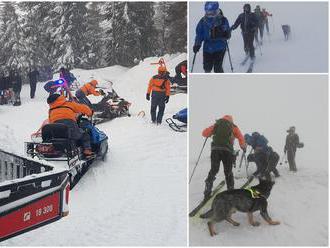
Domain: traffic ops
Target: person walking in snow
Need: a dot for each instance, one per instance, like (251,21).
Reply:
(260,26)
(265,15)
(223,133)
(17,87)
(249,24)
(33,77)
(86,90)
(159,88)
(213,29)
(290,148)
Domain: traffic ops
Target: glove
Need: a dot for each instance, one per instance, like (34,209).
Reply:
(167,99)
(148,97)
(196,48)
(101,92)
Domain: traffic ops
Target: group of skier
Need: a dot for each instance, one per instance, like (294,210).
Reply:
(223,133)
(214,30)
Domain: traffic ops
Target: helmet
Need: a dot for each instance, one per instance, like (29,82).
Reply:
(258,7)
(247,7)
(211,8)
(291,129)
(94,82)
(162,69)
(248,138)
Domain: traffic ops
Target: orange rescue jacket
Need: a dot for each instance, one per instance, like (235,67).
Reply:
(89,88)
(159,84)
(62,109)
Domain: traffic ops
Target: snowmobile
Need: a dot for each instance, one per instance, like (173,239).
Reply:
(181,116)
(111,106)
(57,146)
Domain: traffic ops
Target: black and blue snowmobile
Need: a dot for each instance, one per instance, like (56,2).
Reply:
(63,151)
(181,116)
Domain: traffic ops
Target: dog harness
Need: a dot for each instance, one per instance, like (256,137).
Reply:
(254,193)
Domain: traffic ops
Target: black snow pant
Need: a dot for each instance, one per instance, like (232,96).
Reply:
(82,98)
(248,44)
(33,86)
(291,153)
(213,61)
(227,159)
(157,100)
(261,161)
(77,133)
(272,163)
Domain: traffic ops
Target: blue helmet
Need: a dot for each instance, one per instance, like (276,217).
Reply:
(211,6)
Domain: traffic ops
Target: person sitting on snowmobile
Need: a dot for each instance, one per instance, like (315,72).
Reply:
(213,29)
(249,24)
(264,156)
(181,69)
(67,112)
(87,90)
(224,131)
(67,76)
(160,87)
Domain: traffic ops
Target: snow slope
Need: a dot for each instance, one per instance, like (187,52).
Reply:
(307,51)
(138,195)
(267,104)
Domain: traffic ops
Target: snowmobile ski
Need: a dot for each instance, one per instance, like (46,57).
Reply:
(206,200)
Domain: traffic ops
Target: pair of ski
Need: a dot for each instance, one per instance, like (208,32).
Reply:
(216,190)
(250,68)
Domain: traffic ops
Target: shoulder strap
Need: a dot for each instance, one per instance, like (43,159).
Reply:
(60,107)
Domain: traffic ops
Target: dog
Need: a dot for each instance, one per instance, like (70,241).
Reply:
(243,200)
(287,31)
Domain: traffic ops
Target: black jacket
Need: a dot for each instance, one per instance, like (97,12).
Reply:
(248,22)
(292,142)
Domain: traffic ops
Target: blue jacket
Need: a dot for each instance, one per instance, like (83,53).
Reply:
(258,142)
(214,31)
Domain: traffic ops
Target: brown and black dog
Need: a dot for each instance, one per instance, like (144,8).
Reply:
(243,200)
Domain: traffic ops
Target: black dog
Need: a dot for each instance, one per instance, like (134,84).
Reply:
(243,200)
(287,31)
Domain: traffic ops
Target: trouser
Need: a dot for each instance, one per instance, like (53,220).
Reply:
(157,100)
(213,61)
(248,44)
(261,32)
(267,26)
(272,163)
(17,98)
(33,86)
(291,159)
(77,133)
(261,161)
(227,159)
(82,98)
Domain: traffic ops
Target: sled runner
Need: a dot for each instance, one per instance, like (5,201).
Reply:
(180,116)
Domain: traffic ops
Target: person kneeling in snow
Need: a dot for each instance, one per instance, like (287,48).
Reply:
(87,90)
(160,87)
(66,112)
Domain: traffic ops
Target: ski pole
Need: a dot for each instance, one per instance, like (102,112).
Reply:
(283,156)
(231,65)
(200,154)
(259,48)
(273,24)
(193,63)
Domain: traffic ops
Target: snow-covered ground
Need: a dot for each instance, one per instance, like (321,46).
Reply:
(138,195)
(269,105)
(307,51)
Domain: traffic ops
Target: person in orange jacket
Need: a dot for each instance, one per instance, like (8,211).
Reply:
(67,112)
(159,87)
(86,90)
(223,133)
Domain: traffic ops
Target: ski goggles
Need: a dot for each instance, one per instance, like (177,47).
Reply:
(212,13)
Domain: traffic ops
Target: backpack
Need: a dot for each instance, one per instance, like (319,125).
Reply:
(223,134)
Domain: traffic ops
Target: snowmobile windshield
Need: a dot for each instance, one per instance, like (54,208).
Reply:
(212,13)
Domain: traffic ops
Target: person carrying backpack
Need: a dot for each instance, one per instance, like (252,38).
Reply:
(249,24)
(290,148)
(213,29)
(264,157)
(223,133)
(160,88)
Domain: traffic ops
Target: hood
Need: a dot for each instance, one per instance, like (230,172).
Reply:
(56,100)
(228,118)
